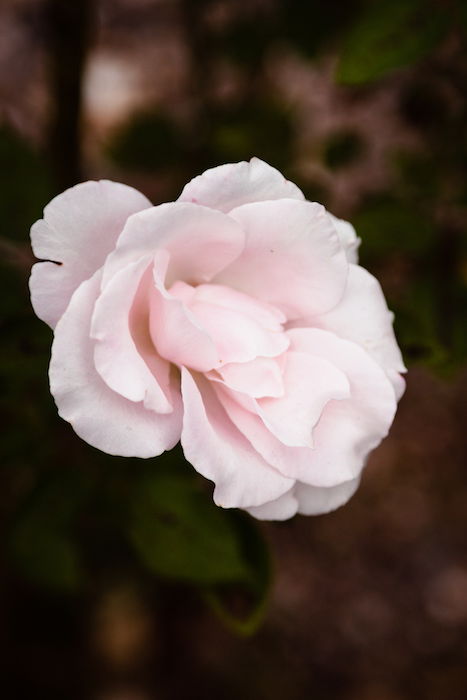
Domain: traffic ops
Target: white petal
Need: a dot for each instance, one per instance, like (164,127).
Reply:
(218,451)
(363,317)
(348,238)
(79,229)
(135,372)
(229,186)
(201,241)
(309,382)
(98,415)
(315,500)
(292,258)
(281,508)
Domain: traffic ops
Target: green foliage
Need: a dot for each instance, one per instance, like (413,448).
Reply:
(148,142)
(242,606)
(26,187)
(246,40)
(388,225)
(181,534)
(41,542)
(390,34)
(342,149)
(257,128)
(310,26)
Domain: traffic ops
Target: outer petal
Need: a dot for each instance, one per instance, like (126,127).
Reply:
(281,508)
(218,451)
(363,317)
(347,430)
(306,500)
(98,415)
(137,373)
(292,259)
(229,186)
(313,500)
(348,238)
(78,231)
(201,241)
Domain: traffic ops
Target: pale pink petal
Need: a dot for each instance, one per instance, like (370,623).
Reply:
(306,500)
(238,338)
(281,508)
(347,430)
(227,298)
(176,333)
(348,238)
(398,383)
(218,451)
(201,241)
(129,363)
(292,258)
(79,229)
(310,383)
(315,500)
(101,417)
(363,317)
(258,378)
(229,186)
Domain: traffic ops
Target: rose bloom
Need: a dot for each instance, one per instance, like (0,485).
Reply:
(235,320)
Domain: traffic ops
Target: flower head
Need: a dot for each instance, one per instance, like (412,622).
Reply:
(235,319)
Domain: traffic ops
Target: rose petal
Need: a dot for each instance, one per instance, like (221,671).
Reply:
(201,241)
(347,430)
(292,258)
(314,500)
(363,317)
(135,372)
(306,500)
(218,451)
(229,186)
(281,508)
(348,238)
(259,378)
(310,382)
(79,229)
(101,417)
(227,298)
(176,333)
(238,337)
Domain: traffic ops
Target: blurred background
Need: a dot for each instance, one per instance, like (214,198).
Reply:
(120,580)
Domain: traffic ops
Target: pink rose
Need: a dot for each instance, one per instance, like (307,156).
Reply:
(235,319)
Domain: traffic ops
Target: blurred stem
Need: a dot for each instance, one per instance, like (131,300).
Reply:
(69,28)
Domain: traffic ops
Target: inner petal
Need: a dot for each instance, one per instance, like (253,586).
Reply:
(241,328)
(310,382)
(259,378)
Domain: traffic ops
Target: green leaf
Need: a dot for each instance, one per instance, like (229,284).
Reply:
(45,555)
(179,533)
(242,607)
(261,128)
(343,148)
(41,543)
(148,142)
(388,225)
(389,35)
(26,189)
